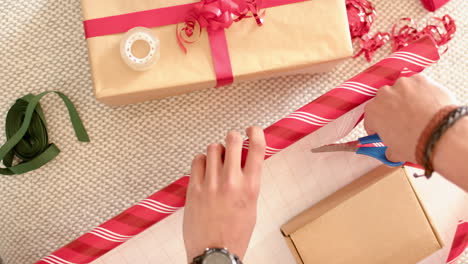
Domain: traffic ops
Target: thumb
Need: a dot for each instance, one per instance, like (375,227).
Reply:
(392,156)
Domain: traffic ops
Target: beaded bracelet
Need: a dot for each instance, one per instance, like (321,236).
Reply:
(439,124)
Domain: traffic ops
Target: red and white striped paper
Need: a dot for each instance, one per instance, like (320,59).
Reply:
(459,244)
(410,60)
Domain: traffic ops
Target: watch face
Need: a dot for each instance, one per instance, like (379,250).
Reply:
(217,258)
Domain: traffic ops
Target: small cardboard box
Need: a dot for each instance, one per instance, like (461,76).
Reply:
(375,219)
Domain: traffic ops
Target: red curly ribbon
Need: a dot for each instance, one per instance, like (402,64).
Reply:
(407,33)
(361,16)
(214,15)
(369,45)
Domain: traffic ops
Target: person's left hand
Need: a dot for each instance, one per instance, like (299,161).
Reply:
(221,207)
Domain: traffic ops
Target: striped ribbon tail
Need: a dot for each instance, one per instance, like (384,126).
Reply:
(410,60)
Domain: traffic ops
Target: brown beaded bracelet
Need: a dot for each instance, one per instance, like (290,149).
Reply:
(439,124)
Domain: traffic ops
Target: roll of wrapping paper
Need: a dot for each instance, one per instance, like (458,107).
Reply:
(459,243)
(410,60)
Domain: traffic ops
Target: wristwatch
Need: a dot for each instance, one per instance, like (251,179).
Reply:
(217,256)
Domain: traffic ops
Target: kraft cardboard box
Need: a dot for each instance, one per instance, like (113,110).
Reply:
(376,219)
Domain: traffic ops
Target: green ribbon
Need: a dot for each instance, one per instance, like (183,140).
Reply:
(27,138)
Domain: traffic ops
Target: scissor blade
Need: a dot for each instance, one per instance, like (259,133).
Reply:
(348,147)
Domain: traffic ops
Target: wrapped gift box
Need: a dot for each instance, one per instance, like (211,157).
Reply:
(309,36)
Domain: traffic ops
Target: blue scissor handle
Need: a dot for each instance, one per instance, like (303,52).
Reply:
(376,152)
(370,139)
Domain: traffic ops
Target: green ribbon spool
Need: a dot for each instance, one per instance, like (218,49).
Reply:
(27,138)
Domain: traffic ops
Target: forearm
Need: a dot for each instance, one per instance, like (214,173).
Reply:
(451,154)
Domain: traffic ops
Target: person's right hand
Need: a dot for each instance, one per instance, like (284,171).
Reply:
(400,113)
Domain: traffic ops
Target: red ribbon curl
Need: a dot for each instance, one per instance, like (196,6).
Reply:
(407,33)
(369,45)
(214,15)
(361,16)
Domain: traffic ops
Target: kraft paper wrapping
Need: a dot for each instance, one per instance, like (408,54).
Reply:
(307,36)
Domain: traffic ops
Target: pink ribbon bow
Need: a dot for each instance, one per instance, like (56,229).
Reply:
(215,15)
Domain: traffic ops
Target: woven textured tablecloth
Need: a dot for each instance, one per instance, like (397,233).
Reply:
(136,150)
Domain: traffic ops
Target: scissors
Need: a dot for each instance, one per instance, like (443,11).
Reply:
(371,146)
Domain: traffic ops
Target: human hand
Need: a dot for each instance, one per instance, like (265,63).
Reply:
(400,113)
(221,207)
